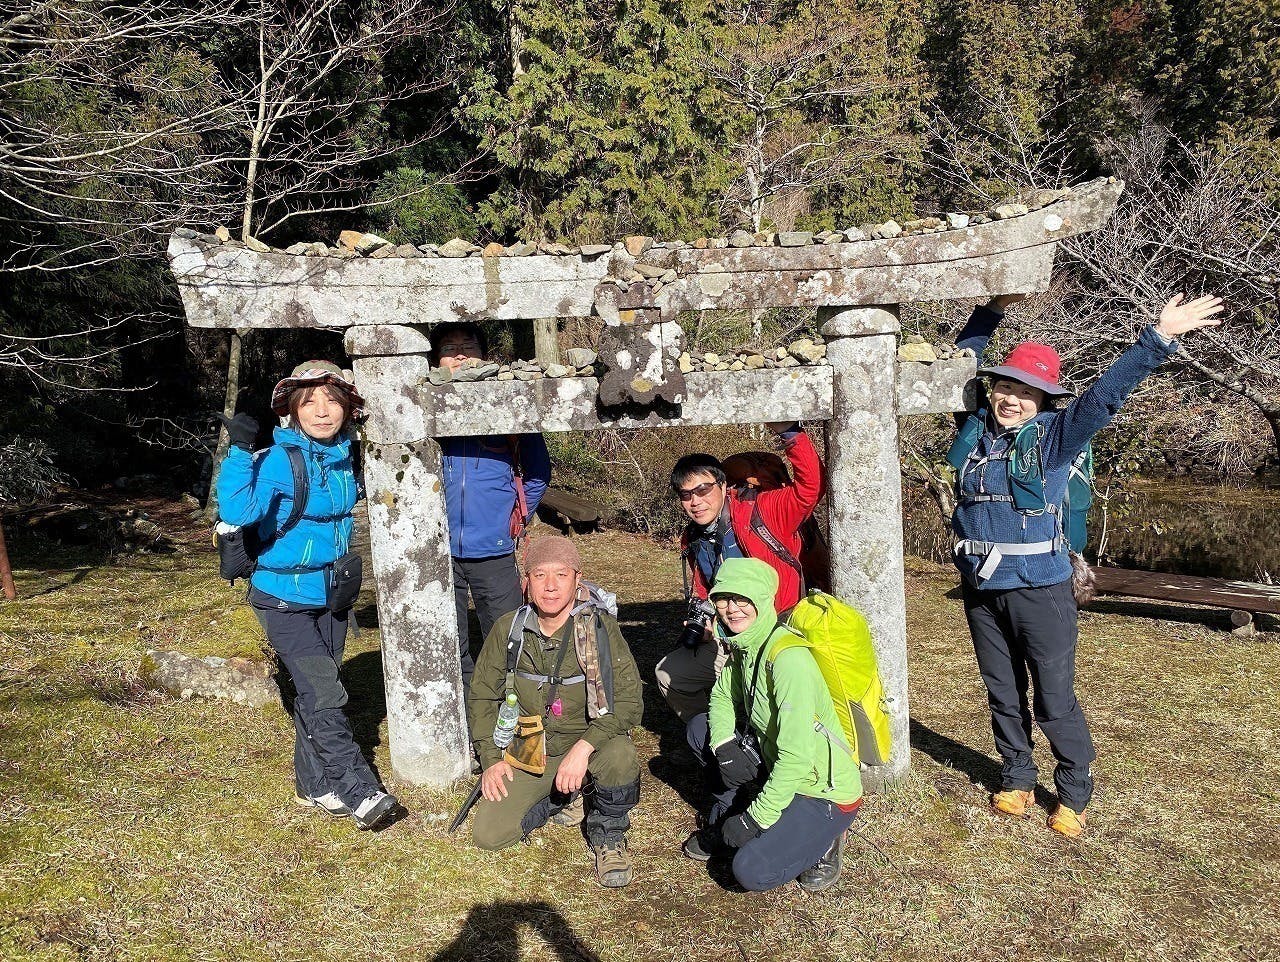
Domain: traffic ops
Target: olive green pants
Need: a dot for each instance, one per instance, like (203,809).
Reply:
(532,799)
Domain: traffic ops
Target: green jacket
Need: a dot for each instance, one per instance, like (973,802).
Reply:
(488,689)
(791,698)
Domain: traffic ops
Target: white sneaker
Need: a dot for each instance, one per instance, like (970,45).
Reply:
(374,810)
(329,802)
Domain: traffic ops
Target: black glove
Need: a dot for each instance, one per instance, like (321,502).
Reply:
(736,766)
(241,429)
(739,830)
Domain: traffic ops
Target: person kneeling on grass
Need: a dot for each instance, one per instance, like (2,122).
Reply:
(579,696)
(784,793)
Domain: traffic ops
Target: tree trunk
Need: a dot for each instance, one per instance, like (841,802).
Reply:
(6,573)
(546,345)
(228,410)
(1273,419)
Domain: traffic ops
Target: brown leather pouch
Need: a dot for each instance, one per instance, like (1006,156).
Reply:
(528,749)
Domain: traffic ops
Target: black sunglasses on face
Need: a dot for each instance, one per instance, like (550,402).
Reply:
(700,491)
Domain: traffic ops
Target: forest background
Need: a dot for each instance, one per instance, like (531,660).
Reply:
(583,121)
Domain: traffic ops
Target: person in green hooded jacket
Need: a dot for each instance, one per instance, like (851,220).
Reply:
(783,792)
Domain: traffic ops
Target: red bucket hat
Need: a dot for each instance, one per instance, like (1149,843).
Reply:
(1030,363)
(311,374)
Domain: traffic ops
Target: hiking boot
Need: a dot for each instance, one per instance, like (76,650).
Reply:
(328,802)
(1067,821)
(572,814)
(374,810)
(1014,801)
(823,875)
(613,863)
(703,846)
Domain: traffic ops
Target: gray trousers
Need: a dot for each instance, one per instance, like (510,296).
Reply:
(1029,635)
(494,585)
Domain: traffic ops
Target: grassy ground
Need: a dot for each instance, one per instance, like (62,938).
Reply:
(135,826)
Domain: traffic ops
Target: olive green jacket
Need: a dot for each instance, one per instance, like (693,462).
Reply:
(488,689)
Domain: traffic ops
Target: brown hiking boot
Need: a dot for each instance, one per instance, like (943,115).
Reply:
(613,863)
(572,814)
(1014,801)
(1066,821)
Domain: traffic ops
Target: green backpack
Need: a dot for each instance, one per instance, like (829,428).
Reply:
(840,642)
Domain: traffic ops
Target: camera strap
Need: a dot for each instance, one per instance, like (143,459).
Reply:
(755,676)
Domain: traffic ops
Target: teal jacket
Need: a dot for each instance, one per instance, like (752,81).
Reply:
(258,489)
(791,701)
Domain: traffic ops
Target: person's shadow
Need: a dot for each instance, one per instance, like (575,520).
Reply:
(493,932)
(651,629)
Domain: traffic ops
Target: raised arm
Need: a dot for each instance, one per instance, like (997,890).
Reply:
(1094,409)
(784,509)
(976,335)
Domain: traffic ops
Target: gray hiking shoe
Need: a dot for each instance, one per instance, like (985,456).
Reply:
(572,814)
(375,810)
(613,863)
(824,875)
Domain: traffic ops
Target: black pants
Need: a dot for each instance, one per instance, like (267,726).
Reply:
(494,584)
(1030,634)
(309,643)
(806,829)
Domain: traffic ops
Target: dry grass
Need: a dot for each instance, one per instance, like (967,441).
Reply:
(133,826)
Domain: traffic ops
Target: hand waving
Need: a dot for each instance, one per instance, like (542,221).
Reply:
(1178,318)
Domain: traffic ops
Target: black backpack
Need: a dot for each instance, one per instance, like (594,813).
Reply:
(239,548)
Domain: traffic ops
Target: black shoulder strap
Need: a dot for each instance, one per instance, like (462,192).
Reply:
(301,488)
(301,491)
(761,531)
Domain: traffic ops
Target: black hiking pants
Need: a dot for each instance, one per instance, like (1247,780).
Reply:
(309,644)
(1029,635)
(494,584)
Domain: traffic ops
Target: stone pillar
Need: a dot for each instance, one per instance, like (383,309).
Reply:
(865,501)
(409,535)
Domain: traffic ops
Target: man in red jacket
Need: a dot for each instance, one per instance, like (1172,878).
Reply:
(733,522)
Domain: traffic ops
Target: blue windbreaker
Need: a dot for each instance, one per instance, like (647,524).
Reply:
(258,489)
(480,490)
(1066,432)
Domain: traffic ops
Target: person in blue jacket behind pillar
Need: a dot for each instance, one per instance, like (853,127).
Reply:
(480,492)
(1013,461)
(317,403)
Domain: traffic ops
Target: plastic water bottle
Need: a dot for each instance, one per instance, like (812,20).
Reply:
(508,715)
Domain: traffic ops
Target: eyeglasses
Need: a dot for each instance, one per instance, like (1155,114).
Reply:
(723,602)
(468,345)
(701,491)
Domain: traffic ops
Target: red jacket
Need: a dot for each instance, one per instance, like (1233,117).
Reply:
(782,510)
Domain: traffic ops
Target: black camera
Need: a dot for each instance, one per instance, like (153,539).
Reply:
(699,616)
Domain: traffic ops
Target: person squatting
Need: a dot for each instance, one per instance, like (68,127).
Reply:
(555,690)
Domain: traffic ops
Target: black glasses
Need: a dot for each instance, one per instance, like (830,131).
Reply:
(700,491)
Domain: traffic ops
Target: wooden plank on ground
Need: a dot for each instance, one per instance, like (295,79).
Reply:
(1216,592)
(575,509)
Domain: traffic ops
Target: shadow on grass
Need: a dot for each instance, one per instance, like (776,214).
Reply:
(1209,617)
(981,769)
(651,629)
(493,932)
(367,707)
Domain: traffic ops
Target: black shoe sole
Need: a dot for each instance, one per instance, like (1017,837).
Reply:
(381,812)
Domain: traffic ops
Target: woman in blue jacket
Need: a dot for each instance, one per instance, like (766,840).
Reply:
(288,590)
(1013,461)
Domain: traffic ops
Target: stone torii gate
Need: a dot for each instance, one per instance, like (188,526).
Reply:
(387,297)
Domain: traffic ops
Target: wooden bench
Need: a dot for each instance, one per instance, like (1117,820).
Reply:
(567,511)
(1244,599)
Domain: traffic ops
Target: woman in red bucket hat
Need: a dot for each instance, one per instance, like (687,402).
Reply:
(1013,461)
(300,494)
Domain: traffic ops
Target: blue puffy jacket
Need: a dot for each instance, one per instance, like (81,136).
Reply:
(480,490)
(258,489)
(1065,434)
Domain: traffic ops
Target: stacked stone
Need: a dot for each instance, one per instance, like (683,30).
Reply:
(357,244)
(916,348)
(801,352)
(579,362)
